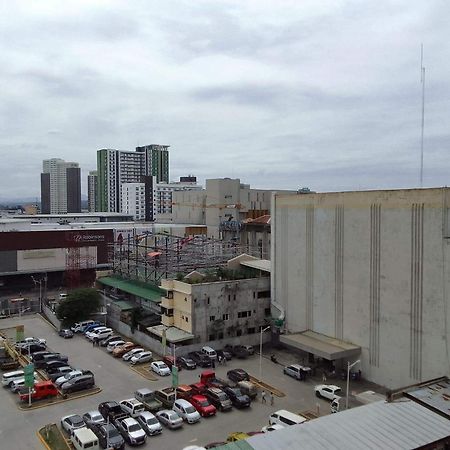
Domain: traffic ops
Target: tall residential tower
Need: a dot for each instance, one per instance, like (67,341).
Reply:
(60,187)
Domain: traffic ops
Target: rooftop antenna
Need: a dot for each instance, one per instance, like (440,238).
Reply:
(422,80)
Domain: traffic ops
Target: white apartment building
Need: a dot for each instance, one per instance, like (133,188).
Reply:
(366,276)
(133,200)
(165,192)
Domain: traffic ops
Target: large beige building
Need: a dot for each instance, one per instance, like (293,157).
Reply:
(366,275)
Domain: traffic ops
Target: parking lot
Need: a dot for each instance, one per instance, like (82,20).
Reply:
(117,381)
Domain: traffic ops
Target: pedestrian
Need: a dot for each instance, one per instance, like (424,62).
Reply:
(213,364)
(324,377)
(271,398)
(93,342)
(263,397)
(220,360)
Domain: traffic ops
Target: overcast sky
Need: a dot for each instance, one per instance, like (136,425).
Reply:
(281,94)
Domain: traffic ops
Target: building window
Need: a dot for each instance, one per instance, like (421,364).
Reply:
(234,296)
(186,319)
(208,300)
(243,314)
(229,297)
(238,332)
(251,331)
(220,336)
(254,294)
(225,317)
(263,294)
(212,337)
(212,318)
(267,312)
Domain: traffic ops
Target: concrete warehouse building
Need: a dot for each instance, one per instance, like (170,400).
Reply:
(366,275)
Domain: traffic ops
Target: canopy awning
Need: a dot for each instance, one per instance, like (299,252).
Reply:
(139,289)
(320,345)
(173,334)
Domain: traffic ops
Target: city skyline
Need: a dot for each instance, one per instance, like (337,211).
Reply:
(325,95)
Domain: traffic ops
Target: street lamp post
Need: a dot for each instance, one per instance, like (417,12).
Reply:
(349,366)
(260,350)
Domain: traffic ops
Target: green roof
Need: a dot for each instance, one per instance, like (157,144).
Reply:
(237,445)
(137,288)
(123,305)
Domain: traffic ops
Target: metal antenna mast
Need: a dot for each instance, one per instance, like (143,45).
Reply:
(422,80)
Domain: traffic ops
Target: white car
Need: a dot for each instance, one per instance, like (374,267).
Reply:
(328,391)
(67,377)
(132,353)
(142,357)
(273,427)
(160,368)
(132,407)
(113,345)
(186,411)
(72,422)
(149,423)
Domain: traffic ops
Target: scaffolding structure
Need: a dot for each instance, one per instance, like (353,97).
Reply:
(149,257)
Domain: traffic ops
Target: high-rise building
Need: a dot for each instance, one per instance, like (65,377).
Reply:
(92,191)
(148,165)
(156,161)
(60,187)
(133,200)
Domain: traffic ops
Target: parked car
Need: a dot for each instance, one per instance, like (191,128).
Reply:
(166,396)
(93,417)
(187,363)
(141,358)
(18,385)
(112,345)
(91,327)
(224,354)
(111,411)
(149,423)
(118,352)
(108,434)
(218,398)
(78,383)
(238,399)
(203,406)
(186,410)
(131,431)
(72,374)
(31,340)
(28,349)
(72,422)
(66,333)
(42,362)
(132,406)
(80,327)
(132,352)
(57,372)
(41,390)
(184,391)
(98,335)
(9,377)
(37,356)
(297,371)
(95,328)
(51,366)
(238,375)
(248,388)
(160,368)
(328,391)
(148,398)
(169,361)
(274,427)
(110,339)
(169,418)
(240,351)
(200,359)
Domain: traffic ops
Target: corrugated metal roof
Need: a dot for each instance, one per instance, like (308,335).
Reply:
(238,445)
(260,264)
(435,396)
(398,425)
(143,290)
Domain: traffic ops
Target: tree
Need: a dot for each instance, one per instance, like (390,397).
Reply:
(79,305)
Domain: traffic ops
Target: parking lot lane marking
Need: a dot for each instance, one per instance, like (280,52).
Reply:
(58,401)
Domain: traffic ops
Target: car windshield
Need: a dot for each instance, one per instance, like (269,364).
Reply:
(222,397)
(134,427)
(189,361)
(203,403)
(77,421)
(112,431)
(190,409)
(152,421)
(163,366)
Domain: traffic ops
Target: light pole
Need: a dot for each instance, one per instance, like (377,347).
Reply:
(40,290)
(260,350)
(349,366)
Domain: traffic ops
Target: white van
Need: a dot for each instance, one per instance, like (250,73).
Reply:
(9,377)
(284,418)
(101,334)
(83,438)
(208,351)
(80,326)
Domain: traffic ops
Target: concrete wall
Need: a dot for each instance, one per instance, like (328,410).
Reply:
(51,316)
(371,268)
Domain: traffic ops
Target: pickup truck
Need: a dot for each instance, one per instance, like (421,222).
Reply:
(42,389)
(240,351)
(112,411)
(208,378)
(166,396)
(131,431)
(8,363)
(148,398)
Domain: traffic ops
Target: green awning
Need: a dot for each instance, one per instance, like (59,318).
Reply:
(237,445)
(137,288)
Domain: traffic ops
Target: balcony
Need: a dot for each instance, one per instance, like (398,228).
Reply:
(167,303)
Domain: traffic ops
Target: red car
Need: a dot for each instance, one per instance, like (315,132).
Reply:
(202,405)
(198,388)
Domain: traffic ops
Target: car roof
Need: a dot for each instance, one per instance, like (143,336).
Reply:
(182,401)
(146,414)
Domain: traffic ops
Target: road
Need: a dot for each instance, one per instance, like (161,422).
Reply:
(118,382)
